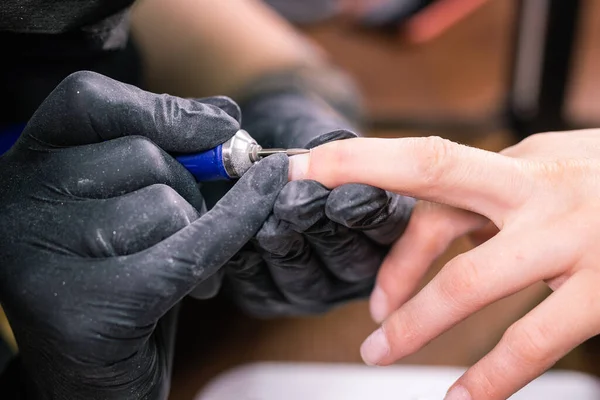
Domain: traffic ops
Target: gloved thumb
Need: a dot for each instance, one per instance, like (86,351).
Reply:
(87,108)
(184,260)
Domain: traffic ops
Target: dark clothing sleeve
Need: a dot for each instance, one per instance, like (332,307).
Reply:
(101,24)
(12,383)
(43,41)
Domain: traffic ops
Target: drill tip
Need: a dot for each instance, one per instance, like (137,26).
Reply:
(295,152)
(289,152)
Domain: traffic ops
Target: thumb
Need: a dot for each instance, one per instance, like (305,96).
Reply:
(87,108)
(182,261)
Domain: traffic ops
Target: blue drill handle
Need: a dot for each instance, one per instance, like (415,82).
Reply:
(9,135)
(204,166)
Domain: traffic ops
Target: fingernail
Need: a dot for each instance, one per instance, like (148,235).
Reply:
(378,305)
(375,348)
(298,167)
(458,392)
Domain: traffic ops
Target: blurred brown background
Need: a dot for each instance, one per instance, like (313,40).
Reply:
(464,73)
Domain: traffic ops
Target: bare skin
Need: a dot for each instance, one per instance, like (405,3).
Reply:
(197,48)
(542,197)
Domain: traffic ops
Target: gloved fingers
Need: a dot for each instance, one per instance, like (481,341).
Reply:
(213,191)
(254,290)
(209,287)
(121,166)
(135,221)
(87,108)
(294,267)
(382,216)
(252,287)
(182,261)
(284,276)
(338,134)
(224,103)
(293,119)
(349,255)
(302,203)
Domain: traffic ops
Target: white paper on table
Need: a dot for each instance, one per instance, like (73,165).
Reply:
(289,381)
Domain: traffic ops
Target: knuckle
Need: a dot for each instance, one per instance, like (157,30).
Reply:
(431,235)
(183,214)
(208,288)
(528,148)
(460,285)
(487,383)
(176,211)
(527,344)
(533,141)
(359,206)
(568,169)
(301,203)
(435,158)
(403,331)
(143,146)
(536,143)
(485,380)
(570,174)
(166,196)
(145,149)
(226,104)
(79,80)
(224,99)
(81,89)
(77,94)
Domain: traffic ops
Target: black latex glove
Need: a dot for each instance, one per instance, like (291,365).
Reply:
(101,234)
(320,248)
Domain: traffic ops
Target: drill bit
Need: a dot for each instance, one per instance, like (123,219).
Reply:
(257,152)
(288,152)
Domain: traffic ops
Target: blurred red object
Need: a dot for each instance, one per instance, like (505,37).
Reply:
(417,21)
(436,18)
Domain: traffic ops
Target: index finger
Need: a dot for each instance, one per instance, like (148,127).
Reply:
(182,261)
(428,168)
(87,108)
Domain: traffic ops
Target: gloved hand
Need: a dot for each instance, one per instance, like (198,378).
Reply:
(320,248)
(101,234)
